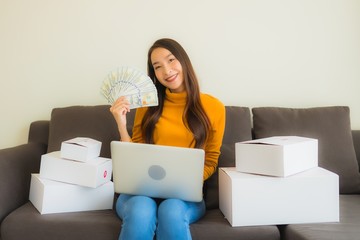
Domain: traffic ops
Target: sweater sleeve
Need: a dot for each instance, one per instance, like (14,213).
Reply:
(216,113)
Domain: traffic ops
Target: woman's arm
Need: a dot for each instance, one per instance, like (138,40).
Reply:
(119,110)
(217,116)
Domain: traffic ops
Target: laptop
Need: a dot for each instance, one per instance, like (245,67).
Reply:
(158,171)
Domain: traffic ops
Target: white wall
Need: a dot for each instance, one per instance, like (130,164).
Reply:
(287,53)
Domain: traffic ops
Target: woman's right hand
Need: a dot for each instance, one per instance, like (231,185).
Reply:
(119,110)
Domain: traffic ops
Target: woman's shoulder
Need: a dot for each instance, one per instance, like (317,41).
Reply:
(210,101)
(212,105)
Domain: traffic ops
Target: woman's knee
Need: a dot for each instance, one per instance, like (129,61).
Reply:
(137,208)
(172,210)
(179,210)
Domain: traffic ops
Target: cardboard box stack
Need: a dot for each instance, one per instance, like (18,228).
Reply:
(73,179)
(277,181)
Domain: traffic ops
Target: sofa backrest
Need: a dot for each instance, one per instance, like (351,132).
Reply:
(84,121)
(237,129)
(329,125)
(356,140)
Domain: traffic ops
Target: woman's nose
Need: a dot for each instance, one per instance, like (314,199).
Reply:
(167,69)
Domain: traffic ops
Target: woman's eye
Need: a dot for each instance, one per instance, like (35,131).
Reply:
(156,67)
(171,59)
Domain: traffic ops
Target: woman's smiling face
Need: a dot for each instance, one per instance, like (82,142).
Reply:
(168,69)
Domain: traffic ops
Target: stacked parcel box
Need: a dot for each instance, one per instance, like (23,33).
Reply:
(73,179)
(277,181)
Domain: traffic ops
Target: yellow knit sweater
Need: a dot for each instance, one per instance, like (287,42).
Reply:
(170,129)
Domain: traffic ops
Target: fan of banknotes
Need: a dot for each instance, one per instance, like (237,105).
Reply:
(132,83)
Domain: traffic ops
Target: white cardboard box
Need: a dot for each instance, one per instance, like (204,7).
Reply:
(55,197)
(80,149)
(93,173)
(277,156)
(311,196)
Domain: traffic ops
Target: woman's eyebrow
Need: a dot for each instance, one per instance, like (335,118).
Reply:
(170,54)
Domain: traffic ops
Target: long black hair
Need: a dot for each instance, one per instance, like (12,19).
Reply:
(194,117)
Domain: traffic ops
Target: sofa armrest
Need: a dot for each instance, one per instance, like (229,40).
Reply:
(39,132)
(16,166)
(356,140)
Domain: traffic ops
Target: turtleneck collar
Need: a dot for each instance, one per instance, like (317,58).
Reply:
(177,98)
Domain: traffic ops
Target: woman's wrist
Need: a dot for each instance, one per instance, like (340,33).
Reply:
(124,135)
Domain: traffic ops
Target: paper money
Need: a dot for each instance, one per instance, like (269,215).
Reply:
(142,100)
(136,86)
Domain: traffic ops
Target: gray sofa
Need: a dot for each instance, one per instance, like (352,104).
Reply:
(331,125)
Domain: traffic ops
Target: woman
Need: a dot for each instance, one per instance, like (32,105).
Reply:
(185,118)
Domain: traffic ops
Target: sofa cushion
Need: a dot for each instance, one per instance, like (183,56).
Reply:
(213,226)
(237,129)
(330,125)
(84,121)
(346,229)
(27,223)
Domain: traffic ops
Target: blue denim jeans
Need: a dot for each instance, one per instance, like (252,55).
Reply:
(143,216)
